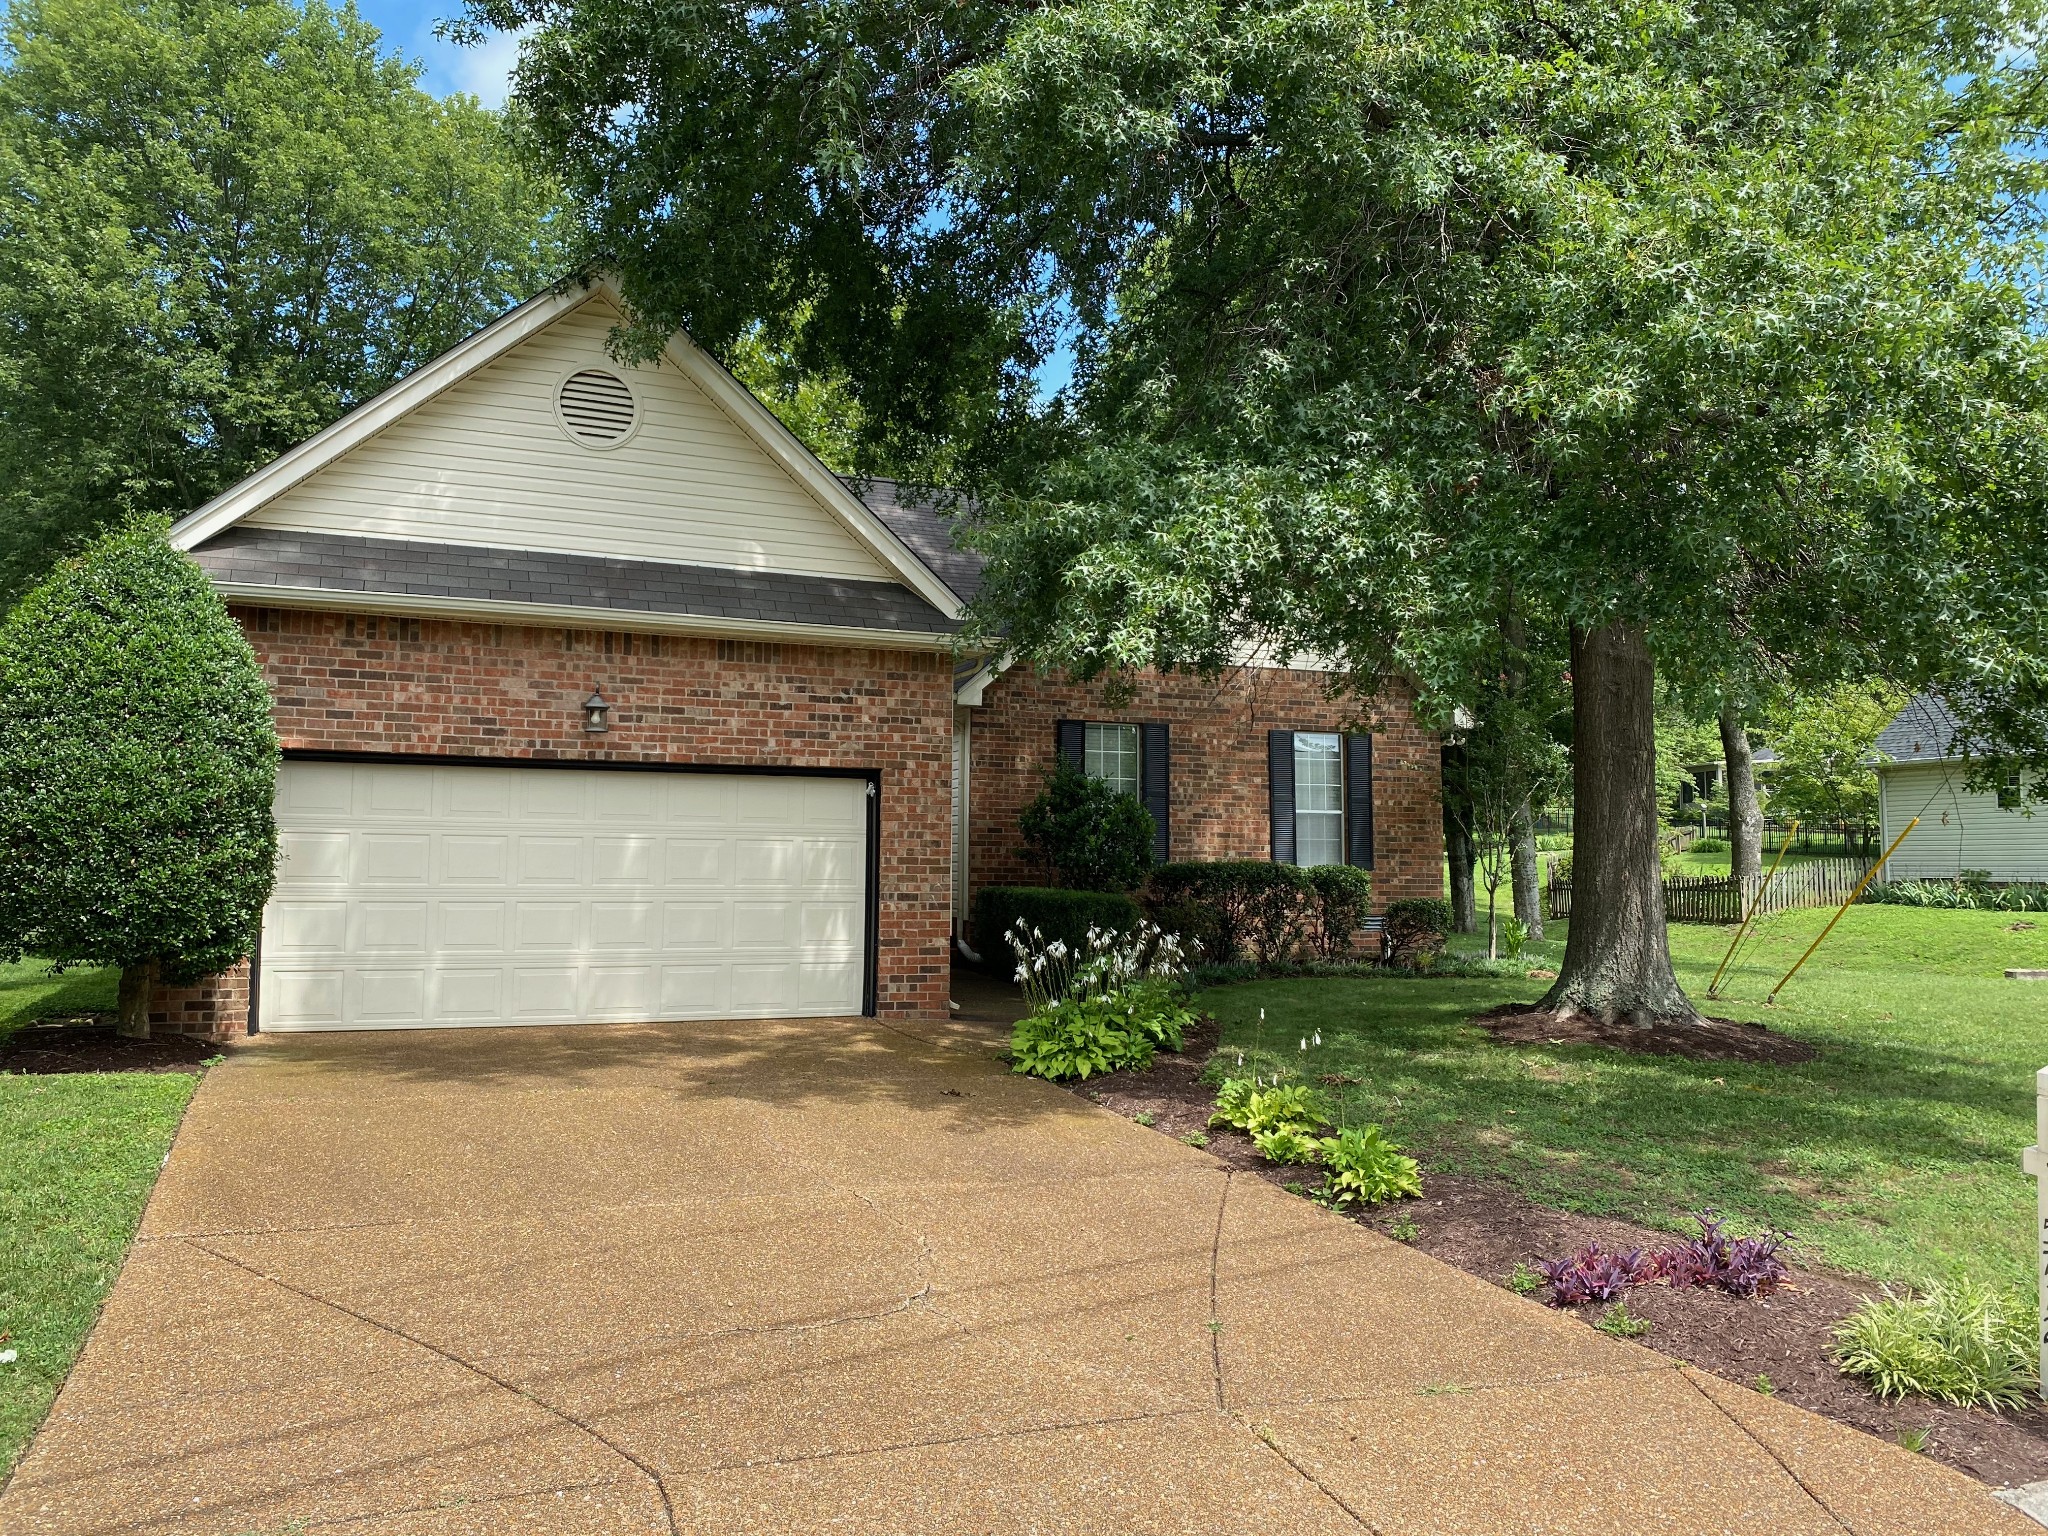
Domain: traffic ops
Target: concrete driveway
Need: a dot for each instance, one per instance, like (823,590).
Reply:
(843,1277)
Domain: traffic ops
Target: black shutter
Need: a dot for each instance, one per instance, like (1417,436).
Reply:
(1358,801)
(1154,785)
(1280,779)
(1070,740)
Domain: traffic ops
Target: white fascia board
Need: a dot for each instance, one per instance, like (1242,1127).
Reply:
(554,616)
(804,467)
(295,465)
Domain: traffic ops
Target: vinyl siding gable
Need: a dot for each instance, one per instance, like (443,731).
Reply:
(487,463)
(1959,829)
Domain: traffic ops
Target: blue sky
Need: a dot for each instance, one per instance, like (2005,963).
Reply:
(482,71)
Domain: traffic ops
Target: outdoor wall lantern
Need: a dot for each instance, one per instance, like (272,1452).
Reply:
(595,708)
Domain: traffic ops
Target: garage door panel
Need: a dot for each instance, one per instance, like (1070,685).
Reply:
(309,999)
(551,860)
(386,997)
(698,861)
(632,925)
(547,925)
(305,928)
(471,926)
(423,895)
(392,858)
(475,858)
(312,858)
(541,993)
(693,925)
(625,860)
(467,996)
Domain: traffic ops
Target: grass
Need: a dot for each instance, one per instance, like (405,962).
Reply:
(78,1154)
(1958,1343)
(1894,1154)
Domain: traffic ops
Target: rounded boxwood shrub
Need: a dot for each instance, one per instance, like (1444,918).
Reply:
(1417,930)
(1092,836)
(137,767)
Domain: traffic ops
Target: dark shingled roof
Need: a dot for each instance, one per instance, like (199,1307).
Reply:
(325,562)
(1923,732)
(926,527)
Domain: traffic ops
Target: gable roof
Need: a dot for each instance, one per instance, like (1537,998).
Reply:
(892,553)
(1924,731)
(924,525)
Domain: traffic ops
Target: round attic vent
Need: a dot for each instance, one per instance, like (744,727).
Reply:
(596,408)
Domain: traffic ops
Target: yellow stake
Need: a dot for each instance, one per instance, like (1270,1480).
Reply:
(1870,875)
(1714,986)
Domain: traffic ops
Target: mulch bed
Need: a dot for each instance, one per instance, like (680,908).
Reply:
(88,1043)
(1709,1040)
(1487,1228)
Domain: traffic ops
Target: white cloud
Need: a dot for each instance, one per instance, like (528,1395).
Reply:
(484,71)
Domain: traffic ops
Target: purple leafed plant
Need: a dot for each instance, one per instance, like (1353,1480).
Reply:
(1592,1275)
(1742,1266)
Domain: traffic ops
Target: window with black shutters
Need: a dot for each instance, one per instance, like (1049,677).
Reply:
(1136,758)
(1319,787)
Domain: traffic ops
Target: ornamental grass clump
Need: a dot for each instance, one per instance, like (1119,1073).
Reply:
(1955,1342)
(1108,1004)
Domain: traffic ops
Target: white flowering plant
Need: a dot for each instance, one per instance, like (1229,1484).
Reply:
(1109,1003)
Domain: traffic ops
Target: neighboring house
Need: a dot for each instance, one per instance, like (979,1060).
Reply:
(1920,773)
(603,699)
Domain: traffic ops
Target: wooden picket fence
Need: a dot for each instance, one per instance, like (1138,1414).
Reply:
(1722,899)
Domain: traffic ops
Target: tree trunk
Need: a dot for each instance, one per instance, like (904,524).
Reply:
(1617,960)
(131,1017)
(1527,873)
(1745,819)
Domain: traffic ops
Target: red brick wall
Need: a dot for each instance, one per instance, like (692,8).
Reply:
(364,684)
(217,1007)
(1218,790)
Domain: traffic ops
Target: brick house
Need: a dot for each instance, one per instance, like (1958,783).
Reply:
(603,699)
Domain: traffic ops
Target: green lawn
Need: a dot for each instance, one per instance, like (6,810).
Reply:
(77,1157)
(1895,1154)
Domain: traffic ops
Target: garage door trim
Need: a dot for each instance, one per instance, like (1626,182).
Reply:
(872,777)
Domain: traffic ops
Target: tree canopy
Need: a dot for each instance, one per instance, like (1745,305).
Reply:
(1704,335)
(222,224)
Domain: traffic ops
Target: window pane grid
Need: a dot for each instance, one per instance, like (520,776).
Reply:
(1318,798)
(1111,754)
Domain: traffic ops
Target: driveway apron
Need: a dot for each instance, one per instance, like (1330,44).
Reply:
(849,1277)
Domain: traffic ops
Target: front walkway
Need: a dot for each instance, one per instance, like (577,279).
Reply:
(787,1278)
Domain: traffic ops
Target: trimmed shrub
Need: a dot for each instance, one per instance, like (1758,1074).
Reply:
(1092,837)
(1237,908)
(1417,931)
(1342,896)
(1056,913)
(1708,845)
(137,768)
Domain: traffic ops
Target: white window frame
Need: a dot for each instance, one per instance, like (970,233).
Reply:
(1326,821)
(1114,753)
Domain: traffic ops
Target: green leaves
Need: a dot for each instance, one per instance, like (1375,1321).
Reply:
(224,225)
(1365,1168)
(137,767)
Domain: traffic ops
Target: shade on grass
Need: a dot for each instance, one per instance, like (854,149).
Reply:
(1895,1154)
(78,1154)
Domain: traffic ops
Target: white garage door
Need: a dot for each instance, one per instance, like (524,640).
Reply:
(413,895)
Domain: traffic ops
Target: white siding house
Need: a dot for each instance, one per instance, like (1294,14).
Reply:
(1919,773)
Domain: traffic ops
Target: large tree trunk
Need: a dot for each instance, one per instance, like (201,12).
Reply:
(131,1016)
(1617,961)
(1745,818)
(1528,873)
(1460,854)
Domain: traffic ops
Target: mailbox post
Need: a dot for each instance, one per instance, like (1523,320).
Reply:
(2036,1162)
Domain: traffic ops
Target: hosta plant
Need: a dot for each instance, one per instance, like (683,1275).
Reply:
(1958,1343)
(1246,1106)
(1112,1008)
(1366,1168)
(1287,1144)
